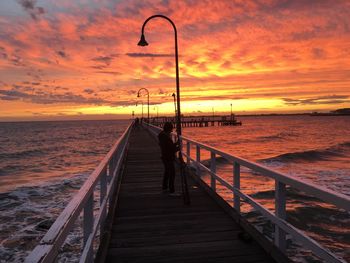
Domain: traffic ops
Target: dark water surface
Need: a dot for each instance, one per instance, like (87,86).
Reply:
(312,148)
(42,165)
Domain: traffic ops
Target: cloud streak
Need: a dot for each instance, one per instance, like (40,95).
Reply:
(334,99)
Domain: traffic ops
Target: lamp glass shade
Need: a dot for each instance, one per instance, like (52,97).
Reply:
(142,41)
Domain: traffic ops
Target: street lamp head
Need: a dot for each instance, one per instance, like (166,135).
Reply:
(173,95)
(142,41)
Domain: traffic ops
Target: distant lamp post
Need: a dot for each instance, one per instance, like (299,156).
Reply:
(231,109)
(142,108)
(143,43)
(156,107)
(138,95)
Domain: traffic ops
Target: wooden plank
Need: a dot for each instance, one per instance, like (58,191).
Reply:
(153,227)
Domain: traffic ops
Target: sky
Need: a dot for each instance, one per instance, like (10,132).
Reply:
(80,59)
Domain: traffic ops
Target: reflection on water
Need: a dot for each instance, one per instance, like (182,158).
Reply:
(42,165)
(311,148)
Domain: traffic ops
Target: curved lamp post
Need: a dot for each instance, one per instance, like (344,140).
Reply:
(143,42)
(138,95)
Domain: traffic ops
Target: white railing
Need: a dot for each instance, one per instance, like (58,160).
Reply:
(107,174)
(282,227)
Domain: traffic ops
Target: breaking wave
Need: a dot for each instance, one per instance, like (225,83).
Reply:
(338,150)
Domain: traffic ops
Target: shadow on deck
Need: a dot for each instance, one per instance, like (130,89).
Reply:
(149,226)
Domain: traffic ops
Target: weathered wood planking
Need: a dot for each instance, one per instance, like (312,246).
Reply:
(152,227)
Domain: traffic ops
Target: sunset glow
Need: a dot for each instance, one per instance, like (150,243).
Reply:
(80,58)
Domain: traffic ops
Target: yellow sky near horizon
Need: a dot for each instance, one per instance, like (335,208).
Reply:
(75,58)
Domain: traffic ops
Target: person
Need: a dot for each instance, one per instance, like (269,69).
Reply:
(168,150)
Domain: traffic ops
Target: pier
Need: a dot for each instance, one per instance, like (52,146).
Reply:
(135,222)
(199,121)
(149,226)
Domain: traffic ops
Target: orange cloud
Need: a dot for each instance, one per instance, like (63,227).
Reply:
(290,52)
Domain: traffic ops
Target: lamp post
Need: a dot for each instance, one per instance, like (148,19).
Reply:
(143,42)
(156,107)
(231,112)
(142,109)
(138,95)
(173,95)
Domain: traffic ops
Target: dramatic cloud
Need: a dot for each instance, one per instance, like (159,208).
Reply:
(275,53)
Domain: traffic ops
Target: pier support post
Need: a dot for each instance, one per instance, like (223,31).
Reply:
(89,224)
(213,170)
(280,211)
(237,185)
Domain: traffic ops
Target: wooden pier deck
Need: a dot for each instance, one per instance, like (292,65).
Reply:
(149,226)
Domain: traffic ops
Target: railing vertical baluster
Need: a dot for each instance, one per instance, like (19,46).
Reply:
(237,185)
(213,170)
(280,211)
(103,195)
(188,152)
(198,158)
(89,223)
(111,167)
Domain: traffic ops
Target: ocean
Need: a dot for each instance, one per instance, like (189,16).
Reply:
(313,148)
(44,163)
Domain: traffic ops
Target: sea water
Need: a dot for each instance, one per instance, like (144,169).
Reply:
(42,165)
(312,148)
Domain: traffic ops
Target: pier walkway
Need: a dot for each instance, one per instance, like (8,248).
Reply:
(150,226)
(124,217)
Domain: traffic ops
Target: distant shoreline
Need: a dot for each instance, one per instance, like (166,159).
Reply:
(236,115)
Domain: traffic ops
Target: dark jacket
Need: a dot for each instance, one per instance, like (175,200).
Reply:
(167,146)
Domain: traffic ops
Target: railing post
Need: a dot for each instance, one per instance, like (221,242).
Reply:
(188,152)
(111,166)
(280,211)
(89,223)
(237,185)
(213,170)
(103,195)
(198,159)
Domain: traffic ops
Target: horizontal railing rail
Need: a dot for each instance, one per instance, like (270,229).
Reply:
(282,227)
(106,174)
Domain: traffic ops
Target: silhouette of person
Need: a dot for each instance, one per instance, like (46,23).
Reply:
(168,150)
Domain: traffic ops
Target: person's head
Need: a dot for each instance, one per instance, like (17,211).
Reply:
(168,127)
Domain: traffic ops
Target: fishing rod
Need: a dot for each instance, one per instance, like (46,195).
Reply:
(184,185)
